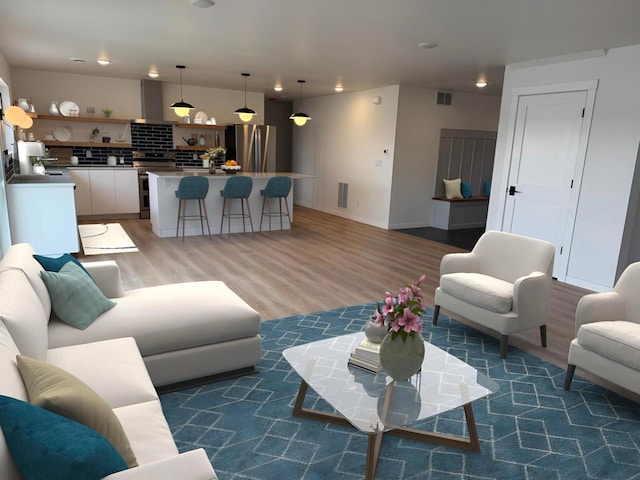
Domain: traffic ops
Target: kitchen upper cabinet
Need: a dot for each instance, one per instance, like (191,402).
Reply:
(104,191)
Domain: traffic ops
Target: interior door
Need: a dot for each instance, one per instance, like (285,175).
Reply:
(546,145)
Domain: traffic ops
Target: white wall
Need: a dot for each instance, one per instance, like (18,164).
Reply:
(123,96)
(420,120)
(346,135)
(5,83)
(610,159)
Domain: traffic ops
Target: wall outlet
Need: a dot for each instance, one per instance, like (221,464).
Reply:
(121,159)
(87,153)
(378,163)
(195,156)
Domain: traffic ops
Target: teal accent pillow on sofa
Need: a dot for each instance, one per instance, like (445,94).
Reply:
(47,446)
(75,297)
(465,190)
(51,264)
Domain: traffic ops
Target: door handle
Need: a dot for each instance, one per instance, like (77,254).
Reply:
(513,191)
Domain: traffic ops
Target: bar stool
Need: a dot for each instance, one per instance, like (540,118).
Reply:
(236,187)
(192,188)
(277,187)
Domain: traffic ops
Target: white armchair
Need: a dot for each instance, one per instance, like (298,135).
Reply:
(607,341)
(504,284)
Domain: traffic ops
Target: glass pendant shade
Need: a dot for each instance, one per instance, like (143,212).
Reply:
(181,108)
(245,113)
(15,115)
(300,118)
(27,123)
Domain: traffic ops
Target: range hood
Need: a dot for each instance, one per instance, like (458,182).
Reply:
(152,103)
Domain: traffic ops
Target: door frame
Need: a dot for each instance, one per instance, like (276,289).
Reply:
(590,86)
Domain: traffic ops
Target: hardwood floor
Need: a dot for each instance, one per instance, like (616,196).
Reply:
(324,262)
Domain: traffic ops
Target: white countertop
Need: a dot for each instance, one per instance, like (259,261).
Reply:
(203,172)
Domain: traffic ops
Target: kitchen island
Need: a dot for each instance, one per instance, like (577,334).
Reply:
(163,203)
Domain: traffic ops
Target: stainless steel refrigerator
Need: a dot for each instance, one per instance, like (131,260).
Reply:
(252,146)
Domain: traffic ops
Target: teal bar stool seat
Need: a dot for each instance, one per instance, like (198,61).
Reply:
(192,188)
(236,187)
(277,187)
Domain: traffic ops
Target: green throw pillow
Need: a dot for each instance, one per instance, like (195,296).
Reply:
(75,297)
(47,446)
(58,391)
(51,264)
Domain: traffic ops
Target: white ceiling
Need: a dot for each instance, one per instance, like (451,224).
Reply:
(360,43)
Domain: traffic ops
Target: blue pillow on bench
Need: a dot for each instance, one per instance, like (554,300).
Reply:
(465,190)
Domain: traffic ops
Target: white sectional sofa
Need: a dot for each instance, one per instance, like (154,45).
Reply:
(184,331)
(159,335)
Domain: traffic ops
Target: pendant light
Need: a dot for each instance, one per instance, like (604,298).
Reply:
(300,118)
(245,113)
(181,108)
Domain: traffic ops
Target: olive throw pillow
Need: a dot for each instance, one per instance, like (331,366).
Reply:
(75,297)
(58,391)
(452,188)
(47,446)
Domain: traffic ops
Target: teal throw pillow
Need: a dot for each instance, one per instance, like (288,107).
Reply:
(487,189)
(51,264)
(465,190)
(47,446)
(75,297)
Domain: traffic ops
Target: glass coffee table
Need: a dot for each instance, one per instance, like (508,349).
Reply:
(375,404)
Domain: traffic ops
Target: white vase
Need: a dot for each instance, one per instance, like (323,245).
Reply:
(53,109)
(400,360)
(23,104)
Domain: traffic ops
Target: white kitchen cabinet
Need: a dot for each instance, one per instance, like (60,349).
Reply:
(127,195)
(106,191)
(103,192)
(82,192)
(44,215)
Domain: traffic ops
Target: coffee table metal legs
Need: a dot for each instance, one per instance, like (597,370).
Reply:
(375,438)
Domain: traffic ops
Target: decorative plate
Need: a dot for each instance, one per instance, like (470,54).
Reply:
(202,117)
(62,134)
(69,109)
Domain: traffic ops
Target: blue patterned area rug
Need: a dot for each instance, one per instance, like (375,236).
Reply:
(530,429)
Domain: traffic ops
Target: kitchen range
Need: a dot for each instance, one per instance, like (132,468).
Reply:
(146,161)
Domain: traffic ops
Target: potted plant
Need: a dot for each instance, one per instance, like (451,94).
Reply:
(107,112)
(94,134)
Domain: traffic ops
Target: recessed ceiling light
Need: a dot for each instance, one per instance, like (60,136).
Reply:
(104,61)
(153,74)
(77,60)
(481,84)
(278,88)
(427,45)
(203,3)
(339,88)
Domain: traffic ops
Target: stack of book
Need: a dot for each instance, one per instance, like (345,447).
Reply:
(366,356)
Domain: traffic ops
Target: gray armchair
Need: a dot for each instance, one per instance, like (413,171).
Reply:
(504,284)
(607,341)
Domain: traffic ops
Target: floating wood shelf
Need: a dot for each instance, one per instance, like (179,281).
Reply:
(54,143)
(62,118)
(199,125)
(195,148)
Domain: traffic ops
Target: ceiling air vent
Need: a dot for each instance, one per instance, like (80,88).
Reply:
(443,98)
